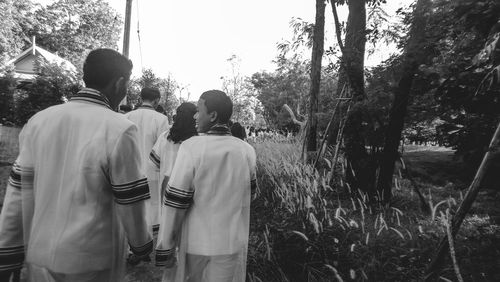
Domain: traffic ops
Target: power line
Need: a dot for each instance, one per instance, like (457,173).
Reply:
(139,33)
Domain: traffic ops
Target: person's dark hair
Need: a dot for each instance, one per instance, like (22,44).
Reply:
(125,108)
(103,65)
(160,109)
(218,101)
(184,125)
(150,94)
(238,131)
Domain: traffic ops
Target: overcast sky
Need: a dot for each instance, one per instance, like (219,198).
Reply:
(192,40)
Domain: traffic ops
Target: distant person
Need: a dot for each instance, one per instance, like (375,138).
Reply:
(238,131)
(125,108)
(207,200)
(151,125)
(76,192)
(161,110)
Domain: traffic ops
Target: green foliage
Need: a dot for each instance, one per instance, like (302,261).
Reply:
(54,85)
(167,87)
(75,27)
(17,18)
(247,109)
(69,28)
(467,105)
(7,89)
(303,229)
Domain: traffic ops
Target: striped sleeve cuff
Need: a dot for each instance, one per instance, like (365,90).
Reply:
(178,198)
(162,256)
(15,176)
(11,258)
(156,228)
(153,156)
(131,192)
(143,250)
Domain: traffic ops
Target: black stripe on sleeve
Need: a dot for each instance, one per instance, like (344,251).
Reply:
(15,177)
(154,158)
(132,192)
(178,198)
(11,258)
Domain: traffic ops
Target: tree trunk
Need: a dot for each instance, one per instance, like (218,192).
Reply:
(360,172)
(413,57)
(317,55)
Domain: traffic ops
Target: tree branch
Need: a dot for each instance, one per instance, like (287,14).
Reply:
(337,26)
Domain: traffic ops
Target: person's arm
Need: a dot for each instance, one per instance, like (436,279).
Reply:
(130,189)
(11,227)
(17,211)
(178,198)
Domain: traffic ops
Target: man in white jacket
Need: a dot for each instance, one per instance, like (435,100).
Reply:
(76,192)
(151,124)
(207,200)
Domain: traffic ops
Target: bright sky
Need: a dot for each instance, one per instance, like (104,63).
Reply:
(192,40)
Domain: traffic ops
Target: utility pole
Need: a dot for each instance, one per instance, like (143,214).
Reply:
(126,36)
(126,31)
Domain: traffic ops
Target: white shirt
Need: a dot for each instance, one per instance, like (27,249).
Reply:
(82,181)
(163,156)
(212,177)
(150,124)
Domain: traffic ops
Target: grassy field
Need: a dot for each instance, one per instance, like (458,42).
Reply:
(303,229)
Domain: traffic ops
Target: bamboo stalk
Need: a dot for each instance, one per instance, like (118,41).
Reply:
(325,135)
(452,246)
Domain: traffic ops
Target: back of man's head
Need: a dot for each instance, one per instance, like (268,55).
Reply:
(218,101)
(150,94)
(102,66)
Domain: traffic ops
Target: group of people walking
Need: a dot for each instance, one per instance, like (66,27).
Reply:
(93,188)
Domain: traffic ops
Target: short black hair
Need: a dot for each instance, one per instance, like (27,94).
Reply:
(238,131)
(218,101)
(150,94)
(102,66)
(125,108)
(184,123)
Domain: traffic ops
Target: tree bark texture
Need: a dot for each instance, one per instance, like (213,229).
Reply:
(317,55)
(361,170)
(413,57)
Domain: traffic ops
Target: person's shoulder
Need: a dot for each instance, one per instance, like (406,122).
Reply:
(193,141)
(43,115)
(242,143)
(159,116)
(119,121)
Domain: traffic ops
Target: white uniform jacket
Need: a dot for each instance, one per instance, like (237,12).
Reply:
(209,193)
(151,125)
(76,191)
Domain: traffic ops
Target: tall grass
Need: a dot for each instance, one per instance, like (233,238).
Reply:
(303,229)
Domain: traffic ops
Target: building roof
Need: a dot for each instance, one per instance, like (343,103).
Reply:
(39,52)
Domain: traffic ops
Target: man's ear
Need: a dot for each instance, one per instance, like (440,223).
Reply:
(213,116)
(120,83)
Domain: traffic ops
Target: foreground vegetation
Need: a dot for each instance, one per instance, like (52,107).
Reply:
(304,229)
